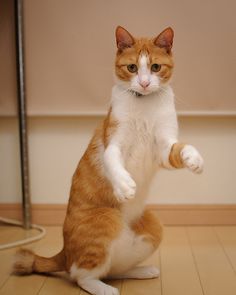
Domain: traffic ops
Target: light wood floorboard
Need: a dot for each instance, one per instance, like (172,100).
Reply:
(227,238)
(179,273)
(59,285)
(216,273)
(193,261)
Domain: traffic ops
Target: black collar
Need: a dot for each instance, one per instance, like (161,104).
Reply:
(137,94)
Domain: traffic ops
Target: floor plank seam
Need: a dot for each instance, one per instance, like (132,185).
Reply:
(160,271)
(121,286)
(41,287)
(4,283)
(223,248)
(194,259)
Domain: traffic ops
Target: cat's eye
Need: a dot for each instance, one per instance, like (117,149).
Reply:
(155,68)
(132,68)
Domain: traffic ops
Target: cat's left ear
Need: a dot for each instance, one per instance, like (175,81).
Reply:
(123,38)
(165,39)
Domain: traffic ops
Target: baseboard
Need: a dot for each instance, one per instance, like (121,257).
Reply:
(44,214)
(54,214)
(196,214)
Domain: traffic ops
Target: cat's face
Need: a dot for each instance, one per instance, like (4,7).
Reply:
(143,65)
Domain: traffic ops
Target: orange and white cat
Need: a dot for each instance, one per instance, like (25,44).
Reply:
(107,230)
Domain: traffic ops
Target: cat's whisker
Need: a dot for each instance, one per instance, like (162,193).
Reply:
(162,88)
(128,91)
(179,100)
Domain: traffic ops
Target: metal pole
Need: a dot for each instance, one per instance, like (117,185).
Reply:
(22,114)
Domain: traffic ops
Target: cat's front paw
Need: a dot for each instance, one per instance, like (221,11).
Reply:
(124,186)
(192,159)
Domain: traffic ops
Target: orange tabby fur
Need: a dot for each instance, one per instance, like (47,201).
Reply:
(149,226)
(175,157)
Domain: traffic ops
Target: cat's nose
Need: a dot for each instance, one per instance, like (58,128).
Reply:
(144,83)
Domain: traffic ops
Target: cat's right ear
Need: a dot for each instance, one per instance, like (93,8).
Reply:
(123,38)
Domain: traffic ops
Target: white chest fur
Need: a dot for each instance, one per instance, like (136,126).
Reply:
(145,123)
(142,124)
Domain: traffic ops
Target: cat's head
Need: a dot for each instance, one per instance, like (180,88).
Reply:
(143,65)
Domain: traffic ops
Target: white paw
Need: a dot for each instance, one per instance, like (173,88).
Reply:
(124,186)
(148,272)
(143,272)
(109,290)
(96,287)
(192,159)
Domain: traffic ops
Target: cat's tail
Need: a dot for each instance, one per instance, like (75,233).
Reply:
(27,262)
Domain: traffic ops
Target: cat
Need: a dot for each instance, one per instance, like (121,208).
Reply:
(107,229)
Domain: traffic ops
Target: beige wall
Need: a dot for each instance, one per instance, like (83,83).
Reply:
(70,49)
(57,143)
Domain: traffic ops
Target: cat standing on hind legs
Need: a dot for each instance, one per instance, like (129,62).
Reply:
(107,230)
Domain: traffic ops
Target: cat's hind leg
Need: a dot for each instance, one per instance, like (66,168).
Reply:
(88,243)
(135,244)
(89,281)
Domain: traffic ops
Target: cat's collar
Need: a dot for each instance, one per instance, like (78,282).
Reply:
(137,94)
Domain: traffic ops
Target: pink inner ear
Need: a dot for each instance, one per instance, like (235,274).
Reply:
(165,39)
(123,38)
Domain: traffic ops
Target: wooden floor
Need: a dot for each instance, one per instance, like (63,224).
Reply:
(193,261)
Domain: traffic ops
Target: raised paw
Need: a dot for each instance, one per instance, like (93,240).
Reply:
(192,159)
(124,186)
